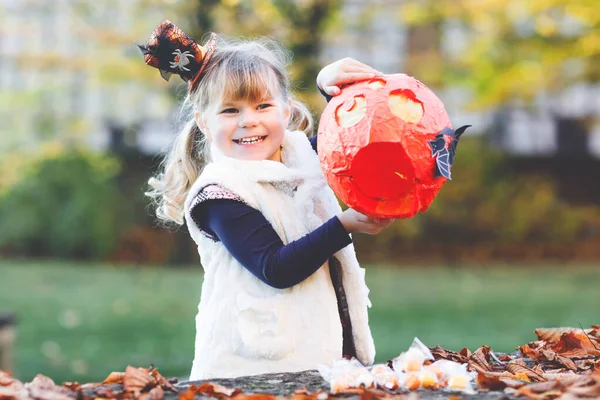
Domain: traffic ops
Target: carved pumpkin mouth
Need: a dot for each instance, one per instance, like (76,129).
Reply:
(383,162)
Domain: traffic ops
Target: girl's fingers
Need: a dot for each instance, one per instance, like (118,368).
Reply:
(332,90)
(355,76)
(360,67)
(365,70)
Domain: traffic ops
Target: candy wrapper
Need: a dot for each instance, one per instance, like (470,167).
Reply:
(347,374)
(386,146)
(385,377)
(415,370)
(454,376)
(412,359)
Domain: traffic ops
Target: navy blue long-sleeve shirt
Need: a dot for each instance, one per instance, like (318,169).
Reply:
(252,241)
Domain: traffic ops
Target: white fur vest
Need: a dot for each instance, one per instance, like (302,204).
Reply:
(244,326)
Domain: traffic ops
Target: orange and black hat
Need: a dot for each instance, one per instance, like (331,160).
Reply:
(171,51)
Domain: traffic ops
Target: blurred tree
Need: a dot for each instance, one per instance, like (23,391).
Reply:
(62,204)
(506,50)
(298,25)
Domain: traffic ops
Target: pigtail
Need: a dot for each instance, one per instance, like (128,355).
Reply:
(178,172)
(301,118)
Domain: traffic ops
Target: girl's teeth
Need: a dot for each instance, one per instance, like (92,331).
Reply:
(255,139)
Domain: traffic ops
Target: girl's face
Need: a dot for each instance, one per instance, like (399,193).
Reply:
(247,129)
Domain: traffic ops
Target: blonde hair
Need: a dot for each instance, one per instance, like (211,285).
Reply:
(238,70)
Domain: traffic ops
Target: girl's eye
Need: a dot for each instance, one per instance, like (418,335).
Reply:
(263,106)
(229,111)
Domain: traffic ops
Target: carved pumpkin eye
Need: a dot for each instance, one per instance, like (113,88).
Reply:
(377,83)
(404,105)
(350,112)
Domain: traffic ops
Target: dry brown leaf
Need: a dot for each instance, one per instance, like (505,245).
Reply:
(553,335)
(592,391)
(482,357)
(439,352)
(587,364)
(489,382)
(542,387)
(214,390)
(114,378)
(565,379)
(6,379)
(44,388)
(162,381)
(530,394)
(255,397)
(443,354)
(522,376)
(12,389)
(74,386)
(530,352)
(500,375)
(538,369)
(136,380)
(513,383)
(569,396)
(580,353)
(187,395)
(517,368)
(574,341)
(465,353)
(549,355)
(304,394)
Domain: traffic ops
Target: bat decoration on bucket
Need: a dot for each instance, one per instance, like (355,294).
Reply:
(445,156)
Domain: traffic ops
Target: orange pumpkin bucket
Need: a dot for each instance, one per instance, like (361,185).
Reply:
(386,146)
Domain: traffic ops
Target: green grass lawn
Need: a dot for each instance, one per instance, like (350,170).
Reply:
(79,322)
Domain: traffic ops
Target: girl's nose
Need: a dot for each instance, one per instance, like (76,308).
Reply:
(248,119)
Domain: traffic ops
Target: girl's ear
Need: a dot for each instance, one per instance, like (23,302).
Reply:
(201,123)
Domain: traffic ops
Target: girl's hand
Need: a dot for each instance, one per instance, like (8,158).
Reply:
(346,70)
(353,221)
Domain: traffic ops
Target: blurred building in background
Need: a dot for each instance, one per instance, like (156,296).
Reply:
(48,49)
(65,67)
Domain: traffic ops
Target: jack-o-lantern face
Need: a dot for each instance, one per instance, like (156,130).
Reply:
(382,148)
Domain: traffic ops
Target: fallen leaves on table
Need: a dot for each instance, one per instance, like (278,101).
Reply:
(11,388)
(209,389)
(134,383)
(564,363)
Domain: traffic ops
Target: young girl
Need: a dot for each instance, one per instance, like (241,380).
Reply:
(282,288)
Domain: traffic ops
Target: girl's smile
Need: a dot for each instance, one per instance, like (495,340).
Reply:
(247,129)
(249,141)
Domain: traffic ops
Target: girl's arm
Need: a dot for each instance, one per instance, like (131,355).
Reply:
(251,240)
(313,142)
